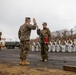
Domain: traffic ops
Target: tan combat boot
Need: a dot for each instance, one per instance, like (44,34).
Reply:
(21,62)
(45,60)
(25,62)
(42,60)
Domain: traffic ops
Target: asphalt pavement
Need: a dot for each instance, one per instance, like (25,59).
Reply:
(56,60)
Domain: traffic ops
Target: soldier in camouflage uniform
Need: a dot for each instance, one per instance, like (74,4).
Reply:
(24,36)
(44,47)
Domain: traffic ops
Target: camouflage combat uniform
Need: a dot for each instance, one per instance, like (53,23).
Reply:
(24,36)
(44,47)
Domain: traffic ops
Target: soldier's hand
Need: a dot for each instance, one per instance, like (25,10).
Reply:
(37,27)
(34,20)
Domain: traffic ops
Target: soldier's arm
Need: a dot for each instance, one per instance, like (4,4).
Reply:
(33,27)
(38,31)
(49,35)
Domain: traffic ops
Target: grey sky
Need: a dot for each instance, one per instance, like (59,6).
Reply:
(59,14)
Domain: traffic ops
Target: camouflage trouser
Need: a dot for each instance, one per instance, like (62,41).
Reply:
(0,47)
(25,46)
(44,51)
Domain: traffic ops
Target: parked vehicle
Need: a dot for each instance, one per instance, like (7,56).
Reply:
(10,45)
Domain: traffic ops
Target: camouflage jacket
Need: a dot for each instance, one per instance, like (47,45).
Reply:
(25,31)
(47,34)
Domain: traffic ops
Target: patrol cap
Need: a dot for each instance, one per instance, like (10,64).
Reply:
(27,18)
(44,23)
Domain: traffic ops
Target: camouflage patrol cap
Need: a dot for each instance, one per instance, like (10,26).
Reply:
(27,18)
(44,23)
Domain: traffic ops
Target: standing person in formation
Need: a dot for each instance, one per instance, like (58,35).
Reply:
(32,46)
(69,45)
(66,46)
(50,46)
(37,46)
(63,45)
(24,36)
(53,46)
(73,46)
(57,45)
(45,38)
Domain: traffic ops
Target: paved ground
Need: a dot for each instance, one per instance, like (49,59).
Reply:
(56,60)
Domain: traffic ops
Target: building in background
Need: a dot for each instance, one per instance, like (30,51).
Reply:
(2,42)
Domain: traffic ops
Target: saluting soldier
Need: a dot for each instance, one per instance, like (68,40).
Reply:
(44,45)
(24,36)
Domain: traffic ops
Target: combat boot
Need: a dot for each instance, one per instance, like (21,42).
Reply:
(42,59)
(25,62)
(45,60)
(21,62)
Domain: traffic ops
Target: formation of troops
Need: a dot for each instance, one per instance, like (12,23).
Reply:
(57,46)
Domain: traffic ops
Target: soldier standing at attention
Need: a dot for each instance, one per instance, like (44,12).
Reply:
(47,38)
(24,36)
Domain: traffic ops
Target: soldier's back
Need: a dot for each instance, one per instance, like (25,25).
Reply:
(25,32)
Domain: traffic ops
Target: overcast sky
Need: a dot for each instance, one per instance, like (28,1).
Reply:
(59,14)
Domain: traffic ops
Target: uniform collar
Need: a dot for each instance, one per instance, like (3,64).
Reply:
(44,28)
